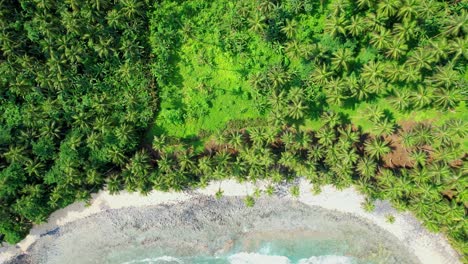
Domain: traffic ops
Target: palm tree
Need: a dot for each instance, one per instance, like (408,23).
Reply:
(365,3)
(294,49)
(326,136)
(378,86)
(124,134)
(430,9)
(372,71)
(34,167)
(166,163)
(331,118)
(447,98)
(348,134)
(439,172)
(423,134)
(288,139)
(335,97)
(366,167)
(52,129)
(388,8)
(376,148)
(113,184)
(185,160)
(356,26)
(374,22)
(249,201)
(235,139)
(277,76)
(374,113)
(458,127)
(256,135)
(93,177)
(113,18)
(384,127)
(459,47)
(396,48)
(277,117)
(277,100)
(419,157)
(257,80)
(445,76)
(288,160)
(257,22)
(456,24)
(420,59)
(439,48)
(315,153)
(267,6)
(131,8)
(270,134)
(296,93)
(303,140)
(116,155)
(408,10)
(361,92)
(338,7)
(443,135)
(204,166)
(139,164)
(222,158)
(411,74)
(220,137)
(335,25)
(401,99)
(394,71)
(341,59)
(296,109)
(290,28)
(159,142)
(15,154)
(321,74)
(422,97)
(347,154)
(381,40)
(405,31)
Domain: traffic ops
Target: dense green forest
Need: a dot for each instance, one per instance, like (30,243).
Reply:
(169,95)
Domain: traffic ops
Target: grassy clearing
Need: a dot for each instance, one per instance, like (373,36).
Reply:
(212,87)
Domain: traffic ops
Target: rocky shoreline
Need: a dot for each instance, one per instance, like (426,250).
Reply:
(203,225)
(113,228)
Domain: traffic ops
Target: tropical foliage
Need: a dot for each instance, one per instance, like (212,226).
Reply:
(252,89)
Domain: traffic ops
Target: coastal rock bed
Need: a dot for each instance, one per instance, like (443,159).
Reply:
(207,226)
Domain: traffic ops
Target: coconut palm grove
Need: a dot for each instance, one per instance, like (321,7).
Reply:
(143,95)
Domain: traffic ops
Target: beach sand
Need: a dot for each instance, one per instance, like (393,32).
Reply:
(102,222)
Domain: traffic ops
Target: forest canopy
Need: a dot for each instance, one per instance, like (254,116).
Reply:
(168,95)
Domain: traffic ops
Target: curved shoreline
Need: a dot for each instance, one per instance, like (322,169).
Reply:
(427,247)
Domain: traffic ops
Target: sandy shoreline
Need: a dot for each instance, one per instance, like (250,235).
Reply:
(427,247)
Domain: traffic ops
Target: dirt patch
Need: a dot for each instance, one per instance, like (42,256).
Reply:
(400,156)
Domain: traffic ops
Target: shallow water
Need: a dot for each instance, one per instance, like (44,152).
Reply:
(301,251)
(205,230)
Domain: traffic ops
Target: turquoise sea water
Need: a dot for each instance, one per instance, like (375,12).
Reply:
(225,231)
(278,252)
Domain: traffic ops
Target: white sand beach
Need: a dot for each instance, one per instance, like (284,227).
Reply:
(426,246)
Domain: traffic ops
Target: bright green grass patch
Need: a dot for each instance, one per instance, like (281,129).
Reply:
(213,90)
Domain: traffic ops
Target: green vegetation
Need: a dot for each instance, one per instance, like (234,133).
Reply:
(371,94)
(76,95)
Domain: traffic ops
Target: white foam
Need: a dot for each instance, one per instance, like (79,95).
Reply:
(156,260)
(329,259)
(256,258)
